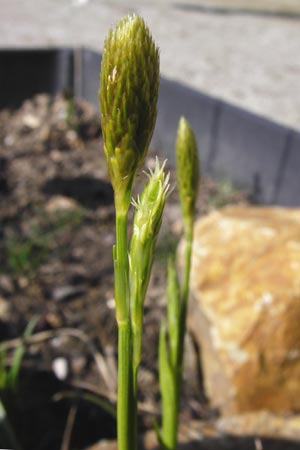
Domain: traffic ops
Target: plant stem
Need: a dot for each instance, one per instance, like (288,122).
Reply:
(124,421)
(137,330)
(121,265)
(170,411)
(173,417)
(134,411)
(185,292)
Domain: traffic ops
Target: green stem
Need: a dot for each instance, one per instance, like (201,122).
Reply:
(172,400)
(124,418)
(185,292)
(134,410)
(170,412)
(124,423)
(121,266)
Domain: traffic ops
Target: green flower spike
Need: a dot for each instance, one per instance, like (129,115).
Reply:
(187,171)
(146,225)
(171,341)
(128,101)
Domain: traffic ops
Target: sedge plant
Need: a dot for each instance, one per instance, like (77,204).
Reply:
(129,82)
(172,333)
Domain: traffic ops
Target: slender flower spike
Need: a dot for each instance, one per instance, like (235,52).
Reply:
(128,94)
(146,225)
(150,205)
(187,170)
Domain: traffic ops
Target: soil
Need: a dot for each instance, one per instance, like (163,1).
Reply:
(56,235)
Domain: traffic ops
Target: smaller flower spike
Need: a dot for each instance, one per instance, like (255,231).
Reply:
(150,205)
(146,225)
(187,171)
(128,95)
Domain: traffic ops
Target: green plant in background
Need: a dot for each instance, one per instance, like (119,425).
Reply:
(25,254)
(8,387)
(224,194)
(171,341)
(128,94)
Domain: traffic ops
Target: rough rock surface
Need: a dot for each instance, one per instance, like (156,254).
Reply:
(261,423)
(245,312)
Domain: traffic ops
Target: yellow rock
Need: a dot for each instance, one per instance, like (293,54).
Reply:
(245,307)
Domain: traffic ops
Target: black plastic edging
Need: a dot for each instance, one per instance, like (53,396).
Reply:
(252,151)
(24,73)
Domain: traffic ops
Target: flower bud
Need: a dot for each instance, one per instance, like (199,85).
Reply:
(146,225)
(150,205)
(187,170)
(128,94)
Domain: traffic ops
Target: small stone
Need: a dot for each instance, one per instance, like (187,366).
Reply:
(56,155)
(71,136)
(111,304)
(6,284)
(62,293)
(60,367)
(31,121)
(61,203)
(54,320)
(4,308)
(44,133)
(9,140)
(23,282)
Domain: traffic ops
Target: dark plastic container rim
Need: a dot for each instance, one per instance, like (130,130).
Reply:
(254,152)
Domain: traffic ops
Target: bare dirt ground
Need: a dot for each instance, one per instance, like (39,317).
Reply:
(241,51)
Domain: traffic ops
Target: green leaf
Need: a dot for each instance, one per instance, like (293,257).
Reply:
(89,397)
(12,376)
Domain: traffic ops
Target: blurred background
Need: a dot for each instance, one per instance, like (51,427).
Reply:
(245,52)
(57,215)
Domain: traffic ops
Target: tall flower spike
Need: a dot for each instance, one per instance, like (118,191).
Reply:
(128,95)
(187,170)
